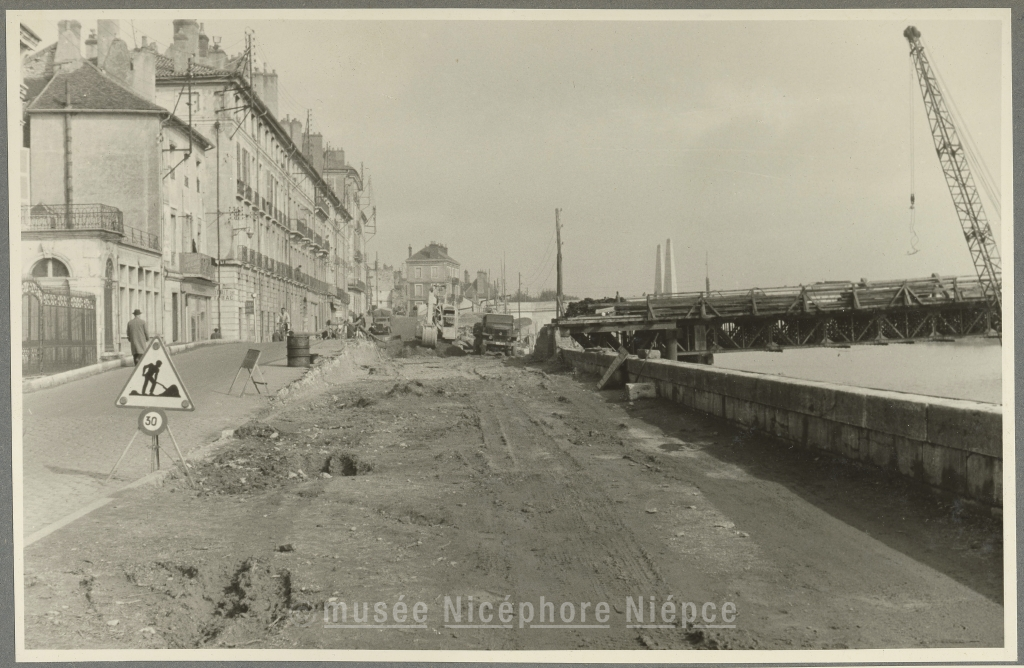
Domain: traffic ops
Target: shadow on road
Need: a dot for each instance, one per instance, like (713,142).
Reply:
(936,529)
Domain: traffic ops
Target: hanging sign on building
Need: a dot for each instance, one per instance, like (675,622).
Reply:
(250,307)
(155,383)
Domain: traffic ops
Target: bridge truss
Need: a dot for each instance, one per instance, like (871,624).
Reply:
(837,314)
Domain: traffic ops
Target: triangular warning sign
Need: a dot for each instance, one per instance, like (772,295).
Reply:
(155,383)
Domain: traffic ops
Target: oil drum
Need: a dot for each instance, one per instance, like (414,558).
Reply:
(298,350)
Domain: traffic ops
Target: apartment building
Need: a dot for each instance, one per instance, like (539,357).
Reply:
(274,222)
(101,179)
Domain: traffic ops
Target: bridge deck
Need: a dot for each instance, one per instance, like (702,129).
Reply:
(770,318)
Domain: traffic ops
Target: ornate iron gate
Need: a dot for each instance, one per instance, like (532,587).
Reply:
(58,328)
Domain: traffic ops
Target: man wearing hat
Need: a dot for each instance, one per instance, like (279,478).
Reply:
(138,335)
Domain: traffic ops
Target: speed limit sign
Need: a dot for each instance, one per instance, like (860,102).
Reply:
(152,421)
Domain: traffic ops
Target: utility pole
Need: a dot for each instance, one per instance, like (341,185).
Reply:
(519,296)
(558,241)
(504,285)
(376,279)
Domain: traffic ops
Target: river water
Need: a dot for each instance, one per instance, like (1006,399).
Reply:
(967,369)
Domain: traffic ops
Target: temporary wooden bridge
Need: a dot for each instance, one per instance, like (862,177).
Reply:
(822,314)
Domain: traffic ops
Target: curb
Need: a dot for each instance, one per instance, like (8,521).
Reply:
(36,384)
(156,477)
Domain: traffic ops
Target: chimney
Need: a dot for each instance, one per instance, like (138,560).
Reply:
(68,56)
(204,43)
(315,152)
(410,250)
(145,42)
(670,268)
(118,62)
(106,33)
(179,53)
(143,74)
(90,45)
(658,281)
(190,29)
(217,59)
(335,158)
(270,91)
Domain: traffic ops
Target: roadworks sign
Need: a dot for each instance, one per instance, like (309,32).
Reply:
(155,383)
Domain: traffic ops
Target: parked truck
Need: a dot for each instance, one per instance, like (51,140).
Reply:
(496,331)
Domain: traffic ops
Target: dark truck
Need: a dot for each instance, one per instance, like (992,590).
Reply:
(495,331)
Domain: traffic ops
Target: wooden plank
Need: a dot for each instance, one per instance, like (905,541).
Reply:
(616,363)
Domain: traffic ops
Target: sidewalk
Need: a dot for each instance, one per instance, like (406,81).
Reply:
(73,433)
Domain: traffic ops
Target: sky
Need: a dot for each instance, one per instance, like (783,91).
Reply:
(780,150)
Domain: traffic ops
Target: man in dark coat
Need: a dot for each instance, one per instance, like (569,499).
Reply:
(138,335)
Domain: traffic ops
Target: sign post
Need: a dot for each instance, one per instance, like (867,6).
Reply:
(155,371)
(250,364)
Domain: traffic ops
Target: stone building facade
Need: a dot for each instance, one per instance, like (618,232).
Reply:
(431,269)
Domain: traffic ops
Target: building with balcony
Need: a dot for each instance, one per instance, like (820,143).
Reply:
(94,221)
(275,226)
(431,269)
(189,268)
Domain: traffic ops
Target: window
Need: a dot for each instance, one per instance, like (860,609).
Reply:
(419,290)
(197,185)
(50,268)
(433,272)
(419,272)
(186,182)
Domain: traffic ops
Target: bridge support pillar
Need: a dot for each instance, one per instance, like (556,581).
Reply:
(671,344)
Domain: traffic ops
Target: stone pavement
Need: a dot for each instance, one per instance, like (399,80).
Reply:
(73,433)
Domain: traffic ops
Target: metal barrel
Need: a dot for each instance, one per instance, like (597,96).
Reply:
(298,350)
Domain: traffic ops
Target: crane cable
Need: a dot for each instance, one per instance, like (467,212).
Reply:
(913,212)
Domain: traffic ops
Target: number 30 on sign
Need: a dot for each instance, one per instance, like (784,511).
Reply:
(152,421)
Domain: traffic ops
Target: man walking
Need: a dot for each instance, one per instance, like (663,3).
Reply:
(138,335)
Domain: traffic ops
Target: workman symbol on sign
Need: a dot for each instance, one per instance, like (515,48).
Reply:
(149,382)
(155,383)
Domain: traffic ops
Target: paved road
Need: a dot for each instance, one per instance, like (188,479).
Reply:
(73,433)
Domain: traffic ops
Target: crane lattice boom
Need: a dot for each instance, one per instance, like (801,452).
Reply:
(953,160)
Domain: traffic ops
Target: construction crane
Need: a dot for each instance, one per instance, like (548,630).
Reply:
(953,160)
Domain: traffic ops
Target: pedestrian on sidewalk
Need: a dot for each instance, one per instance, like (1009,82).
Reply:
(138,335)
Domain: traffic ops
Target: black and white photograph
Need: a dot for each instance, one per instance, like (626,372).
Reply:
(512,335)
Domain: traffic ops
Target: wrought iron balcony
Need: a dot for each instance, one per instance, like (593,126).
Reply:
(134,237)
(239,188)
(357,286)
(248,193)
(197,265)
(40,217)
(343,296)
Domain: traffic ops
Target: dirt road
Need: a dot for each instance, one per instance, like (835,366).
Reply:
(425,486)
